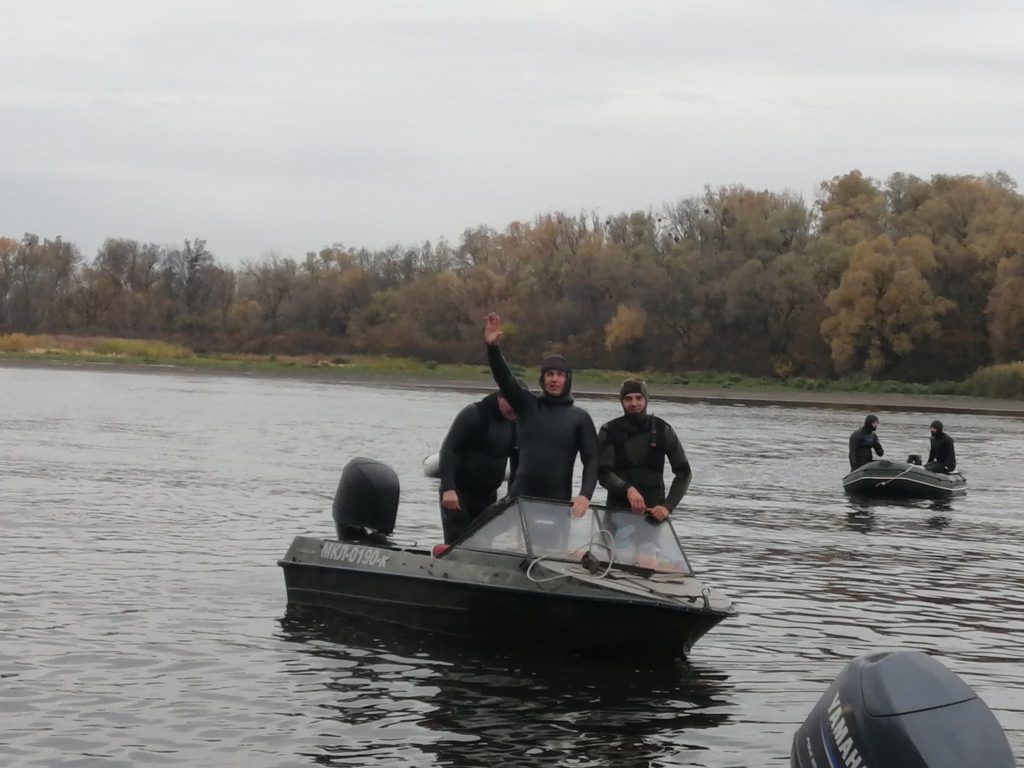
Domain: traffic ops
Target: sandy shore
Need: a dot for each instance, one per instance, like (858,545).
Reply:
(715,396)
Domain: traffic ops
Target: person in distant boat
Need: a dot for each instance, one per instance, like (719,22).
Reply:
(863,441)
(552,430)
(632,450)
(479,444)
(942,456)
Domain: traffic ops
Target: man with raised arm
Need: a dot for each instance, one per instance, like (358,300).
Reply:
(552,430)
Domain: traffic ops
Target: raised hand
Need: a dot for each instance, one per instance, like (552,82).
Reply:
(492,328)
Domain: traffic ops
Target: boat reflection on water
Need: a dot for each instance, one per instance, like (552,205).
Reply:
(409,698)
(861,520)
(861,516)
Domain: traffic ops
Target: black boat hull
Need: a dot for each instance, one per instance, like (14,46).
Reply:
(901,480)
(422,593)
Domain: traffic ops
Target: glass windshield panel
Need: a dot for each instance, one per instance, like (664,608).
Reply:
(503,533)
(554,532)
(551,531)
(639,540)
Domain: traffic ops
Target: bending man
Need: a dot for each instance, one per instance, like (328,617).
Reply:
(479,443)
(552,430)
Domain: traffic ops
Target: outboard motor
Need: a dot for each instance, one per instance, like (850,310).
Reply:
(900,709)
(366,502)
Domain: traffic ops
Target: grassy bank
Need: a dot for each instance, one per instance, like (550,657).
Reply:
(1006,381)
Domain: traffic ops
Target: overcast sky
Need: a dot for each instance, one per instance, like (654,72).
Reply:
(287,126)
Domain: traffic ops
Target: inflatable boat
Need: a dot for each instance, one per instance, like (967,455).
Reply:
(902,480)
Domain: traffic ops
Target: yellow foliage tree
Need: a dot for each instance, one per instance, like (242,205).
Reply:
(625,327)
(1005,311)
(883,305)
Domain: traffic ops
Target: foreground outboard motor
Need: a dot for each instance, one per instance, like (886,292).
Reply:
(366,502)
(900,710)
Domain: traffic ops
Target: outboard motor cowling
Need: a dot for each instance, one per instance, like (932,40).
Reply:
(900,710)
(366,499)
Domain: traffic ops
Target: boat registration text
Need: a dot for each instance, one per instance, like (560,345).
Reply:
(335,550)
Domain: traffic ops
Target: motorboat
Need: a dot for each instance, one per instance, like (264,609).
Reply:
(903,480)
(525,573)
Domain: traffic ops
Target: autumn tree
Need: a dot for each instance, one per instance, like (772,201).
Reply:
(1005,311)
(8,254)
(973,223)
(852,208)
(270,282)
(883,305)
(116,289)
(330,288)
(41,281)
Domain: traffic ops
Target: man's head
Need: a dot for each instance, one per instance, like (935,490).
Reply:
(936,427)
(555,376)
(633,396)
(871,423)
(504,406)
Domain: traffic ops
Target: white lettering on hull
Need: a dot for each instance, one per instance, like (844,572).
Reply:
(347,553)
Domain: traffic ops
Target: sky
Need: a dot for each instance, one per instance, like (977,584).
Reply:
(284,127)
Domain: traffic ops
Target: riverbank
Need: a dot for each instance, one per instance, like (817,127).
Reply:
(477,380)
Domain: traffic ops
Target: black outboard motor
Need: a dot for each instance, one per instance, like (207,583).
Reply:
(366,502)
(900,709)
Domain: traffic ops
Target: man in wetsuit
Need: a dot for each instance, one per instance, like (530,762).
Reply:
(631,453)
(863,441)
(552,431)
(942,456)
(479,443)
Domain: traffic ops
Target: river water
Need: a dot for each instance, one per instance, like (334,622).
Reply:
(142,613)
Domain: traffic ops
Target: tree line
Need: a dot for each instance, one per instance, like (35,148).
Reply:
(910,279)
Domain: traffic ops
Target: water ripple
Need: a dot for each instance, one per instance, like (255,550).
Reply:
(144,615)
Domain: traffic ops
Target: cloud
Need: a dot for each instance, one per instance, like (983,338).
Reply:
(284,127)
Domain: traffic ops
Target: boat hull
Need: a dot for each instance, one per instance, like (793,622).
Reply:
(901,480)
(489,601)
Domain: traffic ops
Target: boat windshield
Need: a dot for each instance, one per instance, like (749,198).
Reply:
(541,528)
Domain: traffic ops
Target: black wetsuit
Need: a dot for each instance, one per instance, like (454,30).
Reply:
(862,442)
(632,452)
(942,456)
(473,457)
(551,432)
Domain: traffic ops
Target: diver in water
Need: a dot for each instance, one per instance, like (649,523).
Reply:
(942,456)
(863,441)
(552,431)
(632,450)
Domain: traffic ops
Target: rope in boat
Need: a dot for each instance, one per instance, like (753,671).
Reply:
(895,477)
(609,546)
